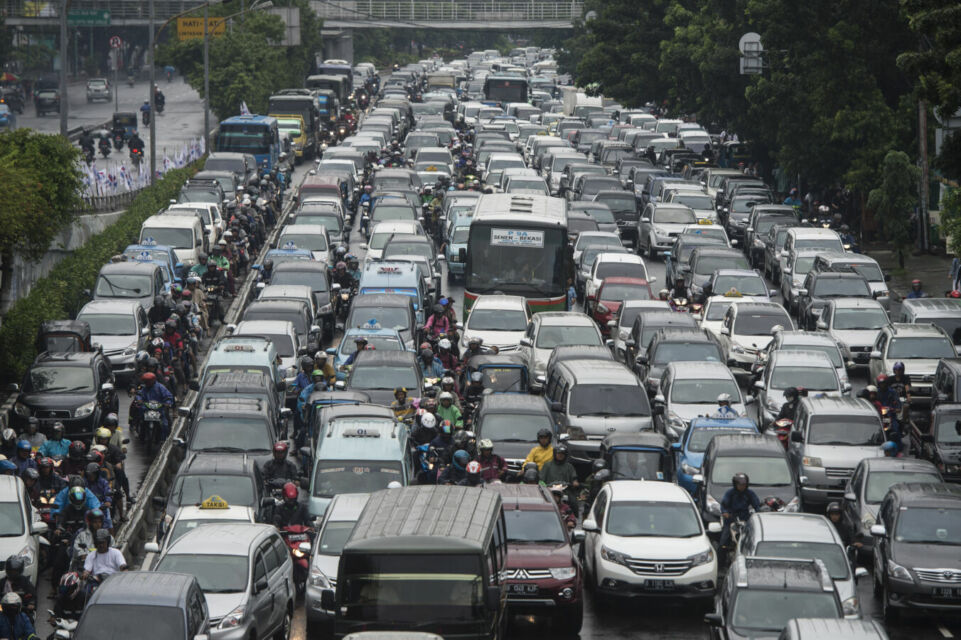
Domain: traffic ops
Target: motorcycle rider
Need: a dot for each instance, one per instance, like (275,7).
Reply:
(135,143)
(792,200)
(56,445)
(145,112)
(443,442)
(593,483)
(83,543)
(16,582)
(430,366)
(8,448)
(33,435)
(401,406)
(49,481)
(474,348)
(342,277)
(559,470)
(321,362)
(448,410)
(888,398)
(901,383)
(447,358)
(291,511)
(543,452)
(360,342)
(97,484)
(280,469)
(456,471)
(86,142)
(475,388)
(14,623)
(317,383)
(69,518)
(567,514)
(834,515)
(153,391)
(737,503)
(493,467)
(24,460)
(159,99)
(789,408)
(104,561)
(473,476)
(438,323)
(724,409)
(916,290)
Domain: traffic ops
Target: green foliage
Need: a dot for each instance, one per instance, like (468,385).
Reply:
(951,220)
(43,173)
(33,59)
(894,200)
(60,294)
(949,160)
(937,65)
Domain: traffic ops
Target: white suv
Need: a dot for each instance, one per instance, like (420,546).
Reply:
(646,538)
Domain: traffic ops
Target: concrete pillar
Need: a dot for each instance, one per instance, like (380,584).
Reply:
(340,46)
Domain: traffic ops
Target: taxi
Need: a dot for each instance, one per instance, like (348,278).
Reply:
(212,510)
(162,255)
(404,278)
(380,338)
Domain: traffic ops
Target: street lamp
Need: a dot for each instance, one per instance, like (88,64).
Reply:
(64,102)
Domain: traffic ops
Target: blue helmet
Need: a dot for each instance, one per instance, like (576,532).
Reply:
(889,446)
(461,458)
(23,445)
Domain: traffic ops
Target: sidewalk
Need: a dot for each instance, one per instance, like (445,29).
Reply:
(933,270)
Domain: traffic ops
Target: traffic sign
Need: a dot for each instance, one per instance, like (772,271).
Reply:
(192,28)
(88,18)
(115,42)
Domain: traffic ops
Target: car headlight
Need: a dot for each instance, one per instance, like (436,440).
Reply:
(851,606)
(689,469)
(318,579)
(327,308)
(702,558)
(736,348)
(897,571)
(811,461)
(21,409)
(85,410)
(713,506)
(793,506)
(613,556)
(563,573)
(26,554)
(233,619)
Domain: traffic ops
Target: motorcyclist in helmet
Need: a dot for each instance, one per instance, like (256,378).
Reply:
(724,408)
(401,406)
(15,624)
(76,459)
(430,366)
(318,382)
(791,401)
(834,514)
(448,359)
(49,481)
(593,483)
(321,361)
(474,348)
(443,442)
(342,277)
(56,445)
(160,310)
(916,290)
(33,435)
(83,543)
(424,428)
(448,410)
(456,471)
(562,500)
(153,391)
(474,477)
(475,388)
(493,467)
(559,470)
(24,458)
(8,448)
(737,503)
(266,270)
(98,486)
(360,344)
(543,452)
(291,510)
(901,383)
(528,473)
(438,322)
(280,469)
(302,381)
(16,582)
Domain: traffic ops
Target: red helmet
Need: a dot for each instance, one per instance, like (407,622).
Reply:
(955,294)
(290,491)
(280,447)
(882,378)
(473,467)
(149,378)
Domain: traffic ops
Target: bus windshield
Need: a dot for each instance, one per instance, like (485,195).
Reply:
(244,138)
(506,89)
(515,260)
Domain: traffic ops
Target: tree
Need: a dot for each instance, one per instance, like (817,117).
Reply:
(951,220)
(894,200)
(949,160)
(936,64)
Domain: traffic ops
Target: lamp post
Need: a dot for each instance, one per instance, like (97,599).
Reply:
(153,106)
(64,102)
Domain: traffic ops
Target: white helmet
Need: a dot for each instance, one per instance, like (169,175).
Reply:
(444,344)
(428,421)
(393,484)
(724,397)
(446,395)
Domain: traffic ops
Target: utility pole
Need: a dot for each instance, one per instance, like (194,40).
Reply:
(153,106)
(64,102)
(206,79)
(923,188)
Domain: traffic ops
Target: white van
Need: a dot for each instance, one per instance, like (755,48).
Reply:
(184,233)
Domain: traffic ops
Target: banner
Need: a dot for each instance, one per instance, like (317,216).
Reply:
(193,28)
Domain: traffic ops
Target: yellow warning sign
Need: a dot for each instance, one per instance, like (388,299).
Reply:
(192,28)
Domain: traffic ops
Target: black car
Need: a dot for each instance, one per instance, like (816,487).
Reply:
(229,424)
(73,388)
(916,561)
(242,383)
(47,101)
(683,344)
(378,373)
(941,443)
(511,421)
(314,275)
(818,288)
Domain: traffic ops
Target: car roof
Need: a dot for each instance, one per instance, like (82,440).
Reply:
(625,490)
(302,265)
(904,329)
(838,406)
(800,337)
(800,358)
(617,256)
(699,370)
(154,588)
(600,372)
(898,464)
(741,273)
(928,494)
(346,507)
(855,303)
(256,327)
(132,266)
(220,539)
(500,302)
(684,334)
(514,403)
(563,318)
(385,358)
(523,497)
(809,527)
(750,443)
(933,306)
(380,300)
(114,306)
(754,306)
(74,358)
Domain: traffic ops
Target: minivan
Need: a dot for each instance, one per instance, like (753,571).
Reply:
(184,233)
(943,312)
(139,282)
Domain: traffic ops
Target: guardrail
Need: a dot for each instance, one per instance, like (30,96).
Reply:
(431,11)
(141,523)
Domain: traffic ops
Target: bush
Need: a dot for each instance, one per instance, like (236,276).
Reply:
(60,294)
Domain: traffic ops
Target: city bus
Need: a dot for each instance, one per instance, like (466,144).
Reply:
(518,246)
(504,89)
(256,135)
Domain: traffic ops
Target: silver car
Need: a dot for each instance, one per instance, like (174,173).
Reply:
(98,89)
(660,225)
(854,323)
(550,329)
(121,328)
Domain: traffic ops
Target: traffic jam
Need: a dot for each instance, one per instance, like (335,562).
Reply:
(458,350)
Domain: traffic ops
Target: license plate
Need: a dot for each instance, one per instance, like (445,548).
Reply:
(151,415)
(659,585)
(297,537)
(947,592)
(525,589)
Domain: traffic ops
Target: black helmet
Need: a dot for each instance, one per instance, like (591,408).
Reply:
(833,507)
(268,264)
(76,450)
(92,467)
(740,478)
(790,393)
(561,448)
(598,465)
(77,496)
(530,475)
(152,363)
(14,563)
(545,433)
(307,363)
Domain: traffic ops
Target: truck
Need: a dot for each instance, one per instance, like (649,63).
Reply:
(445,79)
(306,108)
(579,104)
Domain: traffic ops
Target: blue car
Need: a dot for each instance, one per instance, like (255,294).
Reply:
(381,339)
(689,452)
(159,253)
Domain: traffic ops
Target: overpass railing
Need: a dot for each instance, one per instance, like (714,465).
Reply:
(421,11)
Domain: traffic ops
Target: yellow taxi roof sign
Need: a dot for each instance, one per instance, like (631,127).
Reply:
(705,221)
(214,502)
(732,293)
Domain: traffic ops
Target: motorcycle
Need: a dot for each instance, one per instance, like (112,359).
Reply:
(136,156)
(63,628)
(119,140)
(298,539)
(145,117)
(782,428)
(130,79)
(151,425)
(215,294)
(88,154)
(104,145)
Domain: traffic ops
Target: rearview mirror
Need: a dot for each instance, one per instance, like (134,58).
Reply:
(260,586)
(878,530)
(159,502)
(714,527)
(822,325)
(589,525)
(875,355)
(151,547)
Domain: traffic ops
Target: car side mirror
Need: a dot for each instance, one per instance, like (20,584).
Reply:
(641,360)
(526,342)
(39,528)
(749,230)
(797,436)
(280,385)
(875,355)
(714,527)
(194,385)
(557,407)
(657,410)
(492,597)
(145,331)
(644,220)
(725,331)
(822,325)
(759,385)
(784,253)
(590,525)
(697,478)
(462,254)
(159,502)
(713,619)
(802,292)
(340,385)
(184,412)
(878,530)
(578,535)
(260,586)
(850,497)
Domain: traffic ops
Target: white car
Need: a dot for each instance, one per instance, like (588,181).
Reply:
(285,339)
(920,347)
(22,528)
(794,270)
(854,323)
(608,265)
(698,200)
(647,537)
(381,233)
(211,510)
(500,321)
(550,329)
(748,328)
(689,390)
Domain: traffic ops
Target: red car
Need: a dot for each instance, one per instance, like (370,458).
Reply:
(612,293)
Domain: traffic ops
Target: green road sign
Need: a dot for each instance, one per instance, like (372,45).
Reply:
(88,18)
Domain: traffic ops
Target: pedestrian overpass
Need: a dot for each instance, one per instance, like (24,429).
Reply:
(433,14)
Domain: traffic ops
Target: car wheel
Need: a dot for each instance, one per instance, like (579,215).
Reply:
(284,632)
(650,249)
(568,623)
(891,614)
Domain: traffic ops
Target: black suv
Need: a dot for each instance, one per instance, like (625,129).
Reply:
(314,275)
(208,190)
(511,421)
(47,101)
(760,595)
(818,288)
(916,541)
(226,423)
(941,443)
(73,388)
(675,345)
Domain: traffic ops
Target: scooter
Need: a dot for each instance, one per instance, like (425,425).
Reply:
(63,627)
(88,154)
(136,156)
(151,425)
(298,539)
(104,146)
(782,428)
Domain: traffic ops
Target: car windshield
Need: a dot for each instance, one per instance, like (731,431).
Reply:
(541,526)
(702,437)
(103,324)
(764,610)
(871,272)
(119,285)
(601,215)
(859,319)
(949,429)
(667,352)
(879,482)
(60,380)
(672,215)
(745,285)
(621,270)
(216,573)
(832,245)
(531,185)
(706,265)
(579,225)
(716,309)
(390,212)
(334,537)
(653,519)
(840,287)
(305,278)
(848,430)
(620,292)
(951,326)
(379,240)
(418,249)
(802,265)
(693,201)
(384,377)
(504,378)
(813,378)
(182,238)
(608,400)
(332,477)
(551,336)
(617,203)
(764,471)
(922,348)
(831,554)
(186,526)
(830,350)
(514,427)
(760,324)
(282,341)
(123,621)
(397,318)
(11,519)
(637,465)
(496,320)
(929,525)
(194,489)
(703,391)
(597,243)
(312,241)
(379,342)
(231,434)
